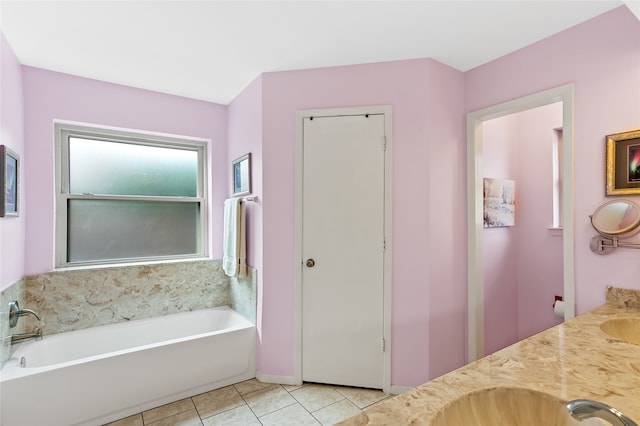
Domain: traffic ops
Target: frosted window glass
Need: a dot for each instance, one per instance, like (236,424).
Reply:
(115,168)
(113,229)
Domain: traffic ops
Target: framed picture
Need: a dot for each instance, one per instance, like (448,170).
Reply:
(241,175)
(623,163)
(9,163)
(499,202)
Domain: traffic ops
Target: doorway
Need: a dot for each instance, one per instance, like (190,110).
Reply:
(475,256)
(343,203)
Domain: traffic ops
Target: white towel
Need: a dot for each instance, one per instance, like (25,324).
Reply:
(234,249)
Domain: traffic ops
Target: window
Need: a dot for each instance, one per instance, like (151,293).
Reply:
(126,197)
(557,178)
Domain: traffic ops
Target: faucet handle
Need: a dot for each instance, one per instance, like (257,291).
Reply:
(15,312)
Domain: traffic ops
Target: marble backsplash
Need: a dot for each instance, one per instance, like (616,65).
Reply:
(70,300)
(622,297)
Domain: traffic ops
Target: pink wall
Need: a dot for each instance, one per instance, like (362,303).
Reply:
(446,237)
(428,202)
(523,263)
(50,96)
(500,252)
(604,65)
(245,135)
(540,264)
(12,229)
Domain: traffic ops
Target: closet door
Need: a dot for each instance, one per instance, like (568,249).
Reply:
(343,250)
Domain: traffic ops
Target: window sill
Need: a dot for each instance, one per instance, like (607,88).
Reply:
(127,264)
(556,231)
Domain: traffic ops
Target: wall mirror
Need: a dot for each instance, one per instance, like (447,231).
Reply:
(617,218)
(614,220)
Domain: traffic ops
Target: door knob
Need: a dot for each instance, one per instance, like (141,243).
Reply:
(310,263)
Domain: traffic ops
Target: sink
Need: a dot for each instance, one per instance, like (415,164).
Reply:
(505,406)
(627,329)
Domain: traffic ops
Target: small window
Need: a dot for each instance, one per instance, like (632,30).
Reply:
(557,178)
(128,197)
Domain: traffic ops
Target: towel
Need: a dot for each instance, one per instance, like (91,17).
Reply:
(234,249)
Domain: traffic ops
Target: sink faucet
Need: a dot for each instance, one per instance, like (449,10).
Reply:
(581,409)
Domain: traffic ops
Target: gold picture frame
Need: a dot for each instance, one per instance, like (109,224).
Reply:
(623,163)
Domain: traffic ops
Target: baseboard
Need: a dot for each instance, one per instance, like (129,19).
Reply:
(397,390)
(281,380)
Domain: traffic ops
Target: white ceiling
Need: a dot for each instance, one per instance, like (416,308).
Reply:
(211,50)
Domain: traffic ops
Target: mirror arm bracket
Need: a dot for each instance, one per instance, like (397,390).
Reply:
(605,245)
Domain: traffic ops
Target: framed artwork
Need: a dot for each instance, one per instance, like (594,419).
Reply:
(499,202)
(241,168)
(9,163)
(623,163)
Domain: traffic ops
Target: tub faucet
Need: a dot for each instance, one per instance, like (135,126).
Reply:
(581,409)
(20,337)
(15,312)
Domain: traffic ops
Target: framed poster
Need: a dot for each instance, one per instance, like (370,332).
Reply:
(9,167)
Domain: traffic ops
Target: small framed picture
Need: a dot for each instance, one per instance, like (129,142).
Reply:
(499,202)
(623,163)
(9,163)
(241,168)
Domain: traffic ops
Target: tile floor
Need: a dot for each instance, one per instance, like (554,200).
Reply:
(252,403)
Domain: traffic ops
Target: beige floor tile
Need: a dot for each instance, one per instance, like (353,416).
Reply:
(293,415)
(252,385)
(337,412)
(315,397)
(362,397)
(267,400)
(241,416)
(168,410)
(187,418)
(217,401)
(290,388)
(135,420)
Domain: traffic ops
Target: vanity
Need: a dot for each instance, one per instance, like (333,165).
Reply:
(592,356)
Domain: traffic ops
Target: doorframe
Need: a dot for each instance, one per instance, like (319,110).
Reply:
(475,279)
(386,110)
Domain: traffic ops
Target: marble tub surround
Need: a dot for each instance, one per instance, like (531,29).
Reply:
(15,291)
(242,293)
(572,360)
(70,300)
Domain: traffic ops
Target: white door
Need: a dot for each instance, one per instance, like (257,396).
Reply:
(343,250)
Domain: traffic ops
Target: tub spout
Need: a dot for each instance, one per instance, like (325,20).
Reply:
(21,337)
(15,312)
(582,409)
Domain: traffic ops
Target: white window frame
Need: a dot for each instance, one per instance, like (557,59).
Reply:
(64,130)
(557,178)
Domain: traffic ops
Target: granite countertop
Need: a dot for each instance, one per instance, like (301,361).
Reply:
(573,360)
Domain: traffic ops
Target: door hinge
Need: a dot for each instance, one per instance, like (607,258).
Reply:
(384,244)
(383,345)
(384,143)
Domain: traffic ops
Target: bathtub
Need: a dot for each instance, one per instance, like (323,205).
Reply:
(102,374)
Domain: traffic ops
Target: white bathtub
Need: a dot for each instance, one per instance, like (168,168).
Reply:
(101,374)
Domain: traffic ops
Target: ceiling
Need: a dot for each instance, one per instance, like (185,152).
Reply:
(211,50)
